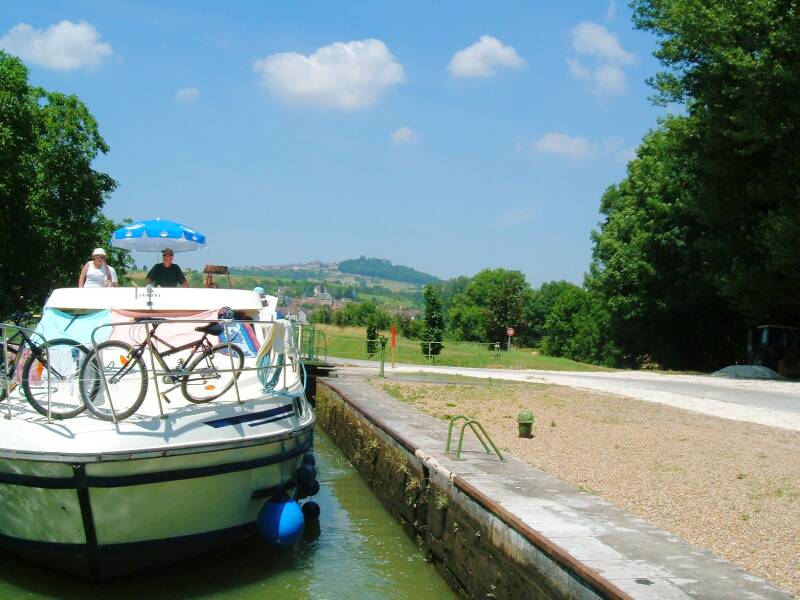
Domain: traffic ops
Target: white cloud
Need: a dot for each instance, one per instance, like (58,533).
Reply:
(65,46)
(595,40)
(578,147)
(566,146)
(515,217)
(609,80)
(347,75)
(405,135)
(578,71)
(605,76)
(604,80)
(187,94)
(481,58)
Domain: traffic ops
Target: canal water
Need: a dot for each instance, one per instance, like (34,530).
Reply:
(360,553)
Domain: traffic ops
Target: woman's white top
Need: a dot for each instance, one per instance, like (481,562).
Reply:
(95,277)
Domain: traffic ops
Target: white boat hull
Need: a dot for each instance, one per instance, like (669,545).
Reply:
(103,519)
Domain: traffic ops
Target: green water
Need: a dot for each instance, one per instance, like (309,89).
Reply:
(361,552)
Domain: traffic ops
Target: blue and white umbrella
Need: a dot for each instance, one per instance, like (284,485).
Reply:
(154,235)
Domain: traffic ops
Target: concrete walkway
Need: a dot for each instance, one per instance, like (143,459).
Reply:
(643,561)
(772,403)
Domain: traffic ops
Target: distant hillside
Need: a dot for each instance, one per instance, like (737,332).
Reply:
(384,269)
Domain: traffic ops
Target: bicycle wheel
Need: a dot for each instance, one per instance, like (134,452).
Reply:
(210,374)
(125,378)
(61,379)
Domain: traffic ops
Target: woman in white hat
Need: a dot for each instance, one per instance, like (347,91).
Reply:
(95,273)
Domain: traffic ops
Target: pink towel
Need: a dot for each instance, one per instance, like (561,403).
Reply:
(176,333)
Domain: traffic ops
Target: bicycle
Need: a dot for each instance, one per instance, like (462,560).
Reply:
(202,376)
(49,368)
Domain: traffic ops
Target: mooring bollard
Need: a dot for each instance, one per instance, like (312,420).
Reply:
(525,420)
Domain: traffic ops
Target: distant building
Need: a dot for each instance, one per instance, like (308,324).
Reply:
(321,296)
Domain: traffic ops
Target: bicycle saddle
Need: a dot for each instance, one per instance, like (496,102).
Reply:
(210,328)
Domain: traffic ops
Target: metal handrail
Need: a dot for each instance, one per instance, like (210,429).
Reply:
(310,341)
(6,376)
(471,423)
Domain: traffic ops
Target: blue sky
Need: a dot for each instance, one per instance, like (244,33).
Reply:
(448,136)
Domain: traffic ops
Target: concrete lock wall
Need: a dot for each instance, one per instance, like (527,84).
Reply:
(478,553)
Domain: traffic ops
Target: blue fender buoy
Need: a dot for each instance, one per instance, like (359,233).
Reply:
(280,521)
(311,510)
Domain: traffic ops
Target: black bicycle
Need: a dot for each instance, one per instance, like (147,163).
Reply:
(204,375)
(49,369)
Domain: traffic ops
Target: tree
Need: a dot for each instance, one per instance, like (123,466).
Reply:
(355,314)
(735,67)
(540,303)
(322,314)
(466,320)
(649,266)
(120,259)
(494,300)
(409,327)
(372,336)
(50,197)
(433,331)
(577,328)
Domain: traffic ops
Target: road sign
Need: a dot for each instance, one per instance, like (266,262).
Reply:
(510,332)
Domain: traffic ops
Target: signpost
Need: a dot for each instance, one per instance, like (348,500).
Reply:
(510,333)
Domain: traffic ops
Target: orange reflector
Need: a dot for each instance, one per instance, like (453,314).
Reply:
(39,369)
(123,360)
(210,387)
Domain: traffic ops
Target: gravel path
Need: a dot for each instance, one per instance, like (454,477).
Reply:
(731,487)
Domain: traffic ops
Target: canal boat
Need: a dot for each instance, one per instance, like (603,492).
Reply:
(100,496)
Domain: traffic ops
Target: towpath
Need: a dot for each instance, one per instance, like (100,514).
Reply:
(773,403)
(529,514)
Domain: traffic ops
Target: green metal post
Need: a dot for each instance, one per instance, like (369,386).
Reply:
(310,349)
(383,354)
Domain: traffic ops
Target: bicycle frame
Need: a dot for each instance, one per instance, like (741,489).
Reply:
(150,344)
(178,374)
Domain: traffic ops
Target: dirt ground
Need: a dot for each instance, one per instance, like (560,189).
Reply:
(728,486)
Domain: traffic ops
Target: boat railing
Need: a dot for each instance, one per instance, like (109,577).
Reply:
(13,366)
(264,361)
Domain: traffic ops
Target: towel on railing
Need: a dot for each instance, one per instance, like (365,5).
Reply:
(59,324)
(242,335)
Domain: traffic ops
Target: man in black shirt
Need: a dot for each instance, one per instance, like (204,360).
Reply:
(167,273)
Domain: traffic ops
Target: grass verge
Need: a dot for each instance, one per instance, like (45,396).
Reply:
(349,342)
